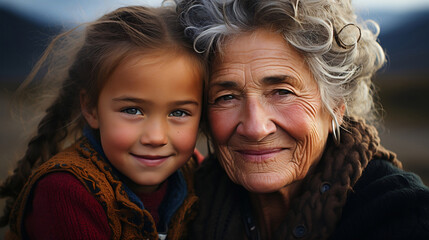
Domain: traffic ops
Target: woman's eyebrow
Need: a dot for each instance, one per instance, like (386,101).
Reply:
(224,84)
(277,79)
(269,80)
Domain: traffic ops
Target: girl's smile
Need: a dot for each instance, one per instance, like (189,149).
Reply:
(151,161)
(148,115)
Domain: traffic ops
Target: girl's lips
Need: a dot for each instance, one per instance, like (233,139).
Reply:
(259,155)
(150,160)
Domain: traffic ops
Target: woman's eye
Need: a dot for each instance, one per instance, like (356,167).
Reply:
(224,98)
(282,92)
(132,111)
(178,113)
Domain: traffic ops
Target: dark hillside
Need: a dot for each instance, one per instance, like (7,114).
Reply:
(407,45)
(21,43)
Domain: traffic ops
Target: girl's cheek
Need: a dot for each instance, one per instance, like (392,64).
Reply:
(122,136)
(184,140)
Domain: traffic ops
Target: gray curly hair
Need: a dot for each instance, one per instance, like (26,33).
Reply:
(342,54)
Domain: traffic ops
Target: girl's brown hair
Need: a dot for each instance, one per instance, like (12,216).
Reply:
(105,43)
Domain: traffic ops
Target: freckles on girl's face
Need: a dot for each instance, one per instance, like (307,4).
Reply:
(266,116)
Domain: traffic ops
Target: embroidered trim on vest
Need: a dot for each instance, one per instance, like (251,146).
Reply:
(126,219)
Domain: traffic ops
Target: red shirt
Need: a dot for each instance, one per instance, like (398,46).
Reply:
(152,201)
(61,208)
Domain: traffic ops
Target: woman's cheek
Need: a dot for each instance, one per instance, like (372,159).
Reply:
(295,122)
(222,124)
(226,160)
(308,128)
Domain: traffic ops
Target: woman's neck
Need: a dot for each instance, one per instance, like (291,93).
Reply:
(271,208)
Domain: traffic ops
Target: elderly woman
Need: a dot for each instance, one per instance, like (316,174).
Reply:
(289,105)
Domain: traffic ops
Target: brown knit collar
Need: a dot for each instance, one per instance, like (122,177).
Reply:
(315,213)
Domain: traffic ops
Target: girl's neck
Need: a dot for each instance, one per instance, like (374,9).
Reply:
(140,189)
(152,201)
(271,208)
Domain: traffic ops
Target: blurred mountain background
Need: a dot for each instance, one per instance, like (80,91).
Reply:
(22,43)
(403,84)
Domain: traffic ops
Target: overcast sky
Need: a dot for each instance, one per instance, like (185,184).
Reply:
(72,11)
(397,5)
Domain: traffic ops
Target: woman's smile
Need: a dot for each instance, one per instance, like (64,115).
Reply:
(266,117)
(262,155)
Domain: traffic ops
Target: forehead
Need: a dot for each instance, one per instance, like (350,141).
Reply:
(254,42)
(260,53)
(149,74)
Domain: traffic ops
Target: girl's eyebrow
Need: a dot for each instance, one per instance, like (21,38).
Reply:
(185,102)
(139,100)
(129,99)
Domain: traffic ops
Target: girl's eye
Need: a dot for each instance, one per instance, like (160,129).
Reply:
(132,111)
(178,113)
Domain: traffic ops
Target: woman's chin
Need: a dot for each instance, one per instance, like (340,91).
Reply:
(263,183)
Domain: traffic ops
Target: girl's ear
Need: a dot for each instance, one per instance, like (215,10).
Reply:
(89,113)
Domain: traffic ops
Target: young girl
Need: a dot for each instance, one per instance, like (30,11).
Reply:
(134,96)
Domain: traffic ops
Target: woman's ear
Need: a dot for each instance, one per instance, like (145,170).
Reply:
(339,112)
(89,113)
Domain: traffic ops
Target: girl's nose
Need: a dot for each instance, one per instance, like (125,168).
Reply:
(256,122)
(154,133)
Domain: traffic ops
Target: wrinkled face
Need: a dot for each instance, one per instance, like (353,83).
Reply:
(266,116)
(148,115)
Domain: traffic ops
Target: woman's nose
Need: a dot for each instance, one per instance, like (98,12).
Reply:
(154,133)
(256,122)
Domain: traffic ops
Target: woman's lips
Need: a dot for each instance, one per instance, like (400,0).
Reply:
(259,155)
(150,160)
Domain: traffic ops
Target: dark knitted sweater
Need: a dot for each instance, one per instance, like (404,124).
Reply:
(387,203)
(358,191)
